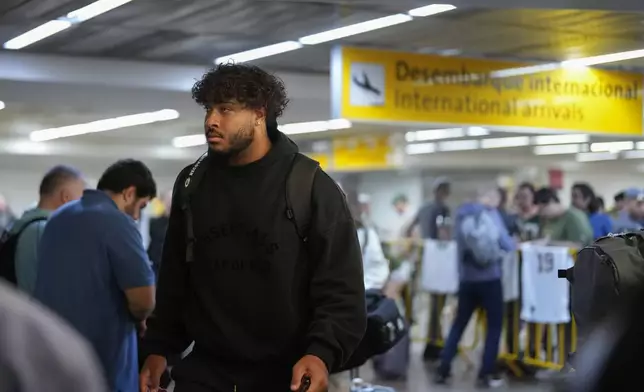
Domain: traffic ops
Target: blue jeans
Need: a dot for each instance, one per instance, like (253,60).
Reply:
(471,295)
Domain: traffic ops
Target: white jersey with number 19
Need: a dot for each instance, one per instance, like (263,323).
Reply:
(545,297)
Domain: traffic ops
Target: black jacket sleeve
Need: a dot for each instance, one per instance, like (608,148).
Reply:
(166,334)
(337,285)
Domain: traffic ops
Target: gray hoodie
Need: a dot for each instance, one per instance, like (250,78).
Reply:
(40,352)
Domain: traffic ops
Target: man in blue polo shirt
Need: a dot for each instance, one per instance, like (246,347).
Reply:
(630,218)
(94,270)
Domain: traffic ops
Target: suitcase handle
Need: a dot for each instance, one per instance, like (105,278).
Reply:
(305,384)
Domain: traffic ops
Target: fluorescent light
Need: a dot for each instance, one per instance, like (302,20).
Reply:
(531,69)
(2,105)
(339,123)
(560,139)
(458,145)
(593,156)
(558,149)
(56,26)
(504,142)
(639,145)
(39,33)
(448,133)
(104,125)
(189,141)
(420,148)
(612,146)
(633,154)
(96,8)
(355,29)
(477,131)
(434,134)
(431,9)
(264,51)
(603,59)
(315,126)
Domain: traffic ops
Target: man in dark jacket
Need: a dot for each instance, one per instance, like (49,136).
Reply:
(263,308)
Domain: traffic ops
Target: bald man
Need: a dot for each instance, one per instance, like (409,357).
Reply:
(61,184)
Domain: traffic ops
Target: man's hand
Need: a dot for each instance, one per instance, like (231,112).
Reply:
(151,373)
(315,369)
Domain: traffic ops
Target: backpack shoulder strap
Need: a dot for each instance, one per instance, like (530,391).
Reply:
(299,190)
(25,226)
(190,185)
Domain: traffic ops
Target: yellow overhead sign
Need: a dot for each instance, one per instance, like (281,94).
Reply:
(386,86)
(322,158)
(362,152)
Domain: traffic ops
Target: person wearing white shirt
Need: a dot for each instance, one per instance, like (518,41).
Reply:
(375,265)
(376,273)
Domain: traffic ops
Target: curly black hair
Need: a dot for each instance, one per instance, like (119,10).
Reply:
(247,84)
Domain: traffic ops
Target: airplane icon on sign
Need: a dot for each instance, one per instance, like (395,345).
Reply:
(365,83)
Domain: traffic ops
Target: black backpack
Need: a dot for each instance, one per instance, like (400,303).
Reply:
(299,189)
(8,245)
(606,275)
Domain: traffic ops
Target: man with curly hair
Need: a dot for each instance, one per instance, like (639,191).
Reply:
(265,309)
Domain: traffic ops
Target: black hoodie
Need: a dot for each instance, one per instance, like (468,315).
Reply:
(257,298)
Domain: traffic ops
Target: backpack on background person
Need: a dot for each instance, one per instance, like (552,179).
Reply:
(606,275)
(8,246)
(481,235)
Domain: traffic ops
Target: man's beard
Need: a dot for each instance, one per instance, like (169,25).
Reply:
(238,142)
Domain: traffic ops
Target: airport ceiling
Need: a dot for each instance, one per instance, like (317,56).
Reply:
(198,31)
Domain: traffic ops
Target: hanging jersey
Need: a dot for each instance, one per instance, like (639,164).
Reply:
(440,267)
(545,297)
(510,278)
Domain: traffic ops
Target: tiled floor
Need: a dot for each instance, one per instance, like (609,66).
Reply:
(420,379)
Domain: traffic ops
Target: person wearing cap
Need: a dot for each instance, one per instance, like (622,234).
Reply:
(434,222)
(631,216)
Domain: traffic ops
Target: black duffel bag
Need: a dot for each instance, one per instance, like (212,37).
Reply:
(385,327)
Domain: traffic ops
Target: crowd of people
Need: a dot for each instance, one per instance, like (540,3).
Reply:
(535,216)
(246,286)
(257,288)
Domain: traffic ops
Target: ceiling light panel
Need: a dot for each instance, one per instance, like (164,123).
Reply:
(560,139)
(477,131)
(612,146)
(603,59)
(64,22)
(558,149)
(431,9)
(434,134)
(354,29)
(104,125)
(265,51)
(420,148)
(189,141)
(505,142)
(595,156)
(458,145)
(338,33)
(95,9)
(633,154)
(39,33)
